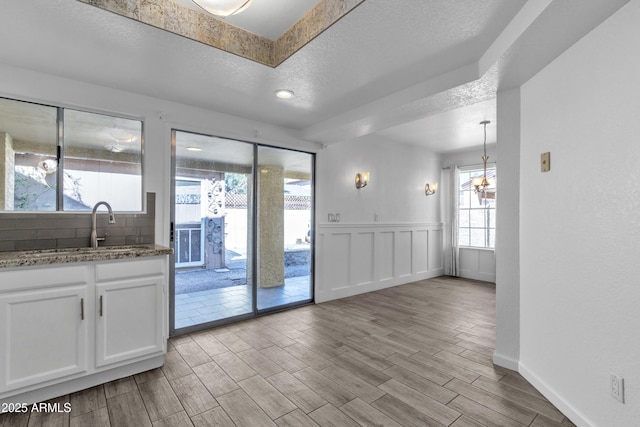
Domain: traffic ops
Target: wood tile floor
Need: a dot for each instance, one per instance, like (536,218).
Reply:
(413,355)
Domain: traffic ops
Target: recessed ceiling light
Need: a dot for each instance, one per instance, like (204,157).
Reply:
(193,149)
(284,93)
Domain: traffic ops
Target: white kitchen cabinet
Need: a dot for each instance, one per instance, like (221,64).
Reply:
(43,336)
(44,331)
(66,328)
(130,315)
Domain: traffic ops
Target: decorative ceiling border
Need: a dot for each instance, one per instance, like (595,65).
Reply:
(204,28)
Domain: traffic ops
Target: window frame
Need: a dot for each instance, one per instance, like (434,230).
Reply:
(487,209)
(60,153)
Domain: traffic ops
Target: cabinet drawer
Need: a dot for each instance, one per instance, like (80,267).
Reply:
(23,279)
(130,269)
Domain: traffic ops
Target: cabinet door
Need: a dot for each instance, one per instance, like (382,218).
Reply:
(43,335)
(129,323)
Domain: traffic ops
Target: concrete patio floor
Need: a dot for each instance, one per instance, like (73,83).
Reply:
(209,305)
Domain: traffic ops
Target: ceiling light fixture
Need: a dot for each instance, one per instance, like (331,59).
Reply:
(223,8)
(481,183)
(193,149)
(284,93)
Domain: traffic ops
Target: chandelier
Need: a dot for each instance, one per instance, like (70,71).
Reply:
(223,8)
(481,183)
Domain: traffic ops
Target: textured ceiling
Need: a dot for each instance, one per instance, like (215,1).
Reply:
(387,70)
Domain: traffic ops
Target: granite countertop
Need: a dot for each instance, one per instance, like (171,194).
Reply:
(66,255)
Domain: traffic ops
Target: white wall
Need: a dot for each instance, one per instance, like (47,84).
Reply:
(395,193)
(507,263)
(477,264)
(159,116)
(472,156)
(389,232)
(580,225)
(396,186)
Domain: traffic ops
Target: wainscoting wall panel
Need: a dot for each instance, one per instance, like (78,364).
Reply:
(385,256)
(436,260)
(355,258)
(364,256)
(404,252)
(478,264)
(421,252)
(336,246)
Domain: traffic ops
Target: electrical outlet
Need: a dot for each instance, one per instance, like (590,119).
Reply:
(616,387)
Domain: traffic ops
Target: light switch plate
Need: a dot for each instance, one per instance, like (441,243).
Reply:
(616,387)
(545,162)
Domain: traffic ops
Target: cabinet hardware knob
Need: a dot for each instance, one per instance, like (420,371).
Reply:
(81,308)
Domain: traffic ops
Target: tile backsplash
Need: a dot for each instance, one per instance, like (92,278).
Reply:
(49,230)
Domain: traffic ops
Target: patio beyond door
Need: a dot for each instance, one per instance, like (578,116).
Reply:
(242,235)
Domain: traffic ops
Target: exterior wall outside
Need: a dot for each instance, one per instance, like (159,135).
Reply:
(579,226)
(7,164)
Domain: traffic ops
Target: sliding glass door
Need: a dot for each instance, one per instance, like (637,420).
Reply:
(284,227)
(241,230)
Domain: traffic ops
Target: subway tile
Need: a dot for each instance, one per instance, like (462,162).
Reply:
(139,240)
(27,245)
(83,232)
(47,230)
(18,234)
(7,245)
(73,243)
(7,223)
(148,231)
(115,241)
(56,233)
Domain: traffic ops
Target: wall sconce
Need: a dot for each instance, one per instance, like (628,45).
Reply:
(430,189)
(362,179)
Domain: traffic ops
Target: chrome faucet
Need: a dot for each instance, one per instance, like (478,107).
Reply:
(94,234)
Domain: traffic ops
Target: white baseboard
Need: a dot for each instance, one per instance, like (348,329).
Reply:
(505,361)
(476,275)
(567,409)
(349,291)
(40,394)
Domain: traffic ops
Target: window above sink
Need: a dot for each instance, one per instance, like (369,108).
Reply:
(61,159)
